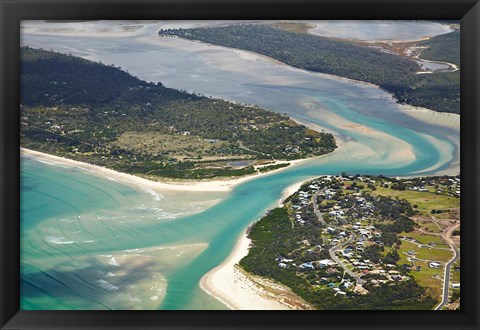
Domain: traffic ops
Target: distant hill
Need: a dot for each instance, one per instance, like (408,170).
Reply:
(395,74)
(100,114)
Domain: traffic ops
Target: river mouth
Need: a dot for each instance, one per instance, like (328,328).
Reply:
(376,136)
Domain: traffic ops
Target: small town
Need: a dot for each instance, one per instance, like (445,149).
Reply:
(360,248)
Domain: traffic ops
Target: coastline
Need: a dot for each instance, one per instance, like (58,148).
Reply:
(267,58)
(239,290)
(227,282)
(244,52)
(193,186)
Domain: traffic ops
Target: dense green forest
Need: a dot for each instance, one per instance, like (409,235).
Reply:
(102,115)
(437,91)
(445,47)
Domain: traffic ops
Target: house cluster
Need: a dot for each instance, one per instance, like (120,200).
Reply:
(317,264)
(416,188)
(330,279)
(290,149)
(59,129)
(352,256)
(359,178)
(451,186)
(441,186)
(337,287)
(304,197)
(348,217)
(301,207)
(346,210)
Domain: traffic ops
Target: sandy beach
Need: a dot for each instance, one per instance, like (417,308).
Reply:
(196,186)
(242,291)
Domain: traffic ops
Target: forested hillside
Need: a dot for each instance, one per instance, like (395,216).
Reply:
(398,75)
(445,47)
(102,115)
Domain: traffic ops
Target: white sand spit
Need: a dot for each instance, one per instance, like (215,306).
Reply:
(242,291)
(193,186)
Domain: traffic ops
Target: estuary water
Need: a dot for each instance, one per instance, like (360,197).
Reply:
(373,31)
(89,242)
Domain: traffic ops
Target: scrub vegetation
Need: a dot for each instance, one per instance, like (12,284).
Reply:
(445,47)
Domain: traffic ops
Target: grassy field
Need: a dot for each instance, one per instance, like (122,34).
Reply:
(430,226)
(425,253)
(425,201)
(430,278)
(447,215)
(455,274)
(434,254)
(294,27)
(177,146)
(425,239)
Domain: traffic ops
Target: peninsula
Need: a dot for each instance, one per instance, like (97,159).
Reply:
(357,242)
(101,115)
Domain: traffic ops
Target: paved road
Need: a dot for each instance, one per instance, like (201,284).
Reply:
(338,246)
(315,207)
(338,261)
(448,268)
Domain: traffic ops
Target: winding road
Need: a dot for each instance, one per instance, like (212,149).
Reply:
(448,267)
(315,207)
(335,248)
(338,261)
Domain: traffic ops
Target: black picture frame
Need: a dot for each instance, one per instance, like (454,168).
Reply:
(13,11)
